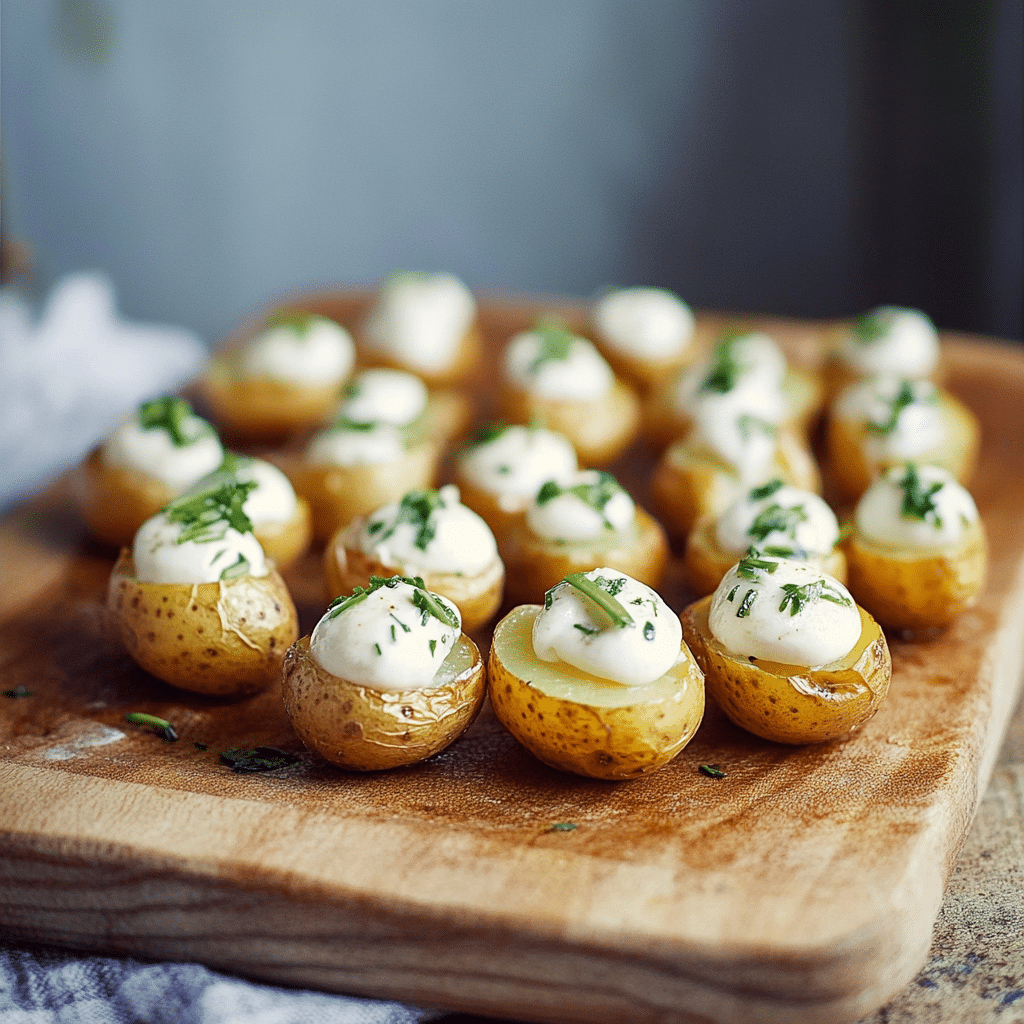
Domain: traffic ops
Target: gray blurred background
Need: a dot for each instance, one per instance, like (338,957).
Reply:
(805,157)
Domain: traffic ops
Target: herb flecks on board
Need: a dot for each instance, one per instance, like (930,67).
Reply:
(261,759)
(160,726)
(712,771)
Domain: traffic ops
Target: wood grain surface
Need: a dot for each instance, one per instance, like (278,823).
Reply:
(802,887)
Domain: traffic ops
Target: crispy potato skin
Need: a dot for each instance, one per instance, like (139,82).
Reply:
(262,408)
(643,733)
(214,638)
(706,561)
(462,367)
(690,481)
(535,564)
(363,729)
(285,542)
(599,429)
(907,589)
(477,597)
(787,703)
(851,473)
(115,501)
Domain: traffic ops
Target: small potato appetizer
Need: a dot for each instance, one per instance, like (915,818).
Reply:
(887,341)
(283,380)
(586,521)
(147,460)
(428,534)
(646,334)
(780,520)
(560,380)
(387,677)
(745,374)
(786,652)
(425,324)
(886,421)
(196,604)
(596,681)
(917,553)
(720,459)
(377,449)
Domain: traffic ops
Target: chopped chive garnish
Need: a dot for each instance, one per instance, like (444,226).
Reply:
(766,490)
(236,569)
(555,344)
(417,509)
(906,395)
(585,630)
(206,515)
(750,565)
(563,826)
(745,605)
(262,759)
(796,597)
(608,604)
(294,319)
(18,693)
(596,493)
(869,328)
(776,519)
(648,630)
(489,432)
(161,726)
(376,647)
(712,771)
(918,500)
(169,414)
(433,646)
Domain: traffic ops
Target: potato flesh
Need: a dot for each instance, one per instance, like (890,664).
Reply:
(580,724)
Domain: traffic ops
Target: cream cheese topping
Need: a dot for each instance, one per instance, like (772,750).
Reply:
(648,322)
(549,362)
(588,505)
(573,628)
(513,462)
(342,446)
(916,507)
(383,396)
(162,557)
(784,611)
(420,319)
(300,349)
(154,450)
(778,515)
(387,638)
(427,531)
(891,340)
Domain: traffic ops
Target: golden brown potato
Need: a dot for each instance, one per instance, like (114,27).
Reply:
(792,703)
(225,638)
(585,725)
(284,542)
(535,564)
(906,588)
(364,729)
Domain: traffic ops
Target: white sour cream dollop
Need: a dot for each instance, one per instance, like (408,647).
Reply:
(383,396)
(420,319)
(651,323)
(311,351)
(514,462)
(752,615)
(903,417)
(573,628)
(916,507)
(787,517)
(427,531)
(160,558)
(338,446)
(273,498)
(576,371)
(385,641)
(891,340)
(588,505)
(746,443)
(152,451)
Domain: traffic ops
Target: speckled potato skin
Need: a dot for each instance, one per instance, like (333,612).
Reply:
(706,561)
(785,703)
(598,742)
(115,501)
(851,473)
(907,589)
(600,429)
(339,494)
(363,729)
(225,639)
(285,542)
(477,597)
(459,370)
(535,564)
(485,505)
(690,481)
(262,408)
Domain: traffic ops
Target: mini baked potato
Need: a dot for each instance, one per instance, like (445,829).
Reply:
(578,723)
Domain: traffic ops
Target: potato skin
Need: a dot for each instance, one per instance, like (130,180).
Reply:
(115,501)
(785,703)
(224,638)
(363,729)
(477,597)
(600,429)
(638,736)
(535,564)
(907,589)
(706,561)
(285,542)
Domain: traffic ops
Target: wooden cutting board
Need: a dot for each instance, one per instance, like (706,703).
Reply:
(801,888)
